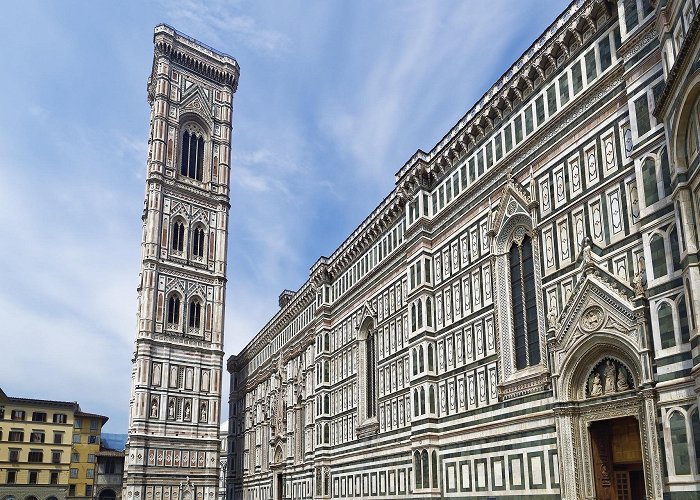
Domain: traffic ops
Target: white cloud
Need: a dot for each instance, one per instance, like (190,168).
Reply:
(334,97)
(216,21)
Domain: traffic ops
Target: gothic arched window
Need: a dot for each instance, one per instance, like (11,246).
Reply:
(420,313)
(371,379)
(174,310)
(666,331)
(195,313)
(429,312)
(417,467)
(178,236)
(651,190)
(524,304)
(679,444)
(192,155)
(675,250)
(426,467)
(658,256)
(198,242)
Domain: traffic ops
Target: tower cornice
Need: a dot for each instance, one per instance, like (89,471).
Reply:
(196,56)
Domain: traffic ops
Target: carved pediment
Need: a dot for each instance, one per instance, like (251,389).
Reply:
(175,284)
(201,216)
(513,209)
(367,312)
(179,209)
(196,101)
(197,290)
(599,302)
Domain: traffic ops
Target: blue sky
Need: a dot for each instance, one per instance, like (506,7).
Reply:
(333,98)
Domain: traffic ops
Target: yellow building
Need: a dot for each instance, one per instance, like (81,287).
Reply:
(86,445)
(35,448)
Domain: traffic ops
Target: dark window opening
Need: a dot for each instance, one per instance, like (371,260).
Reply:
(178,237)
(604,53)
(524,305)
(371,369)
(192,157)
(195,314)
(174,310)
(198,242)
(576,77)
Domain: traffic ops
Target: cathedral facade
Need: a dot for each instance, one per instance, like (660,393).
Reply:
(172,451)
(519,316)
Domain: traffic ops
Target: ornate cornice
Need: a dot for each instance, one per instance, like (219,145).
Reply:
(683,60)
(577,19)
(304,297)
(196,56)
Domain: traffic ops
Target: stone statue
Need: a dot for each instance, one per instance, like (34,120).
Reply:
(587,258)
(203,413)
(552,317)
(609,377)
(638,283)
(596,388)
(154,408)
(171,409)
(188,411)
(622,384)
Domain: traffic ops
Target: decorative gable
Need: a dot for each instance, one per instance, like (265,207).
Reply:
(196,101)
(604,316)
(514,208)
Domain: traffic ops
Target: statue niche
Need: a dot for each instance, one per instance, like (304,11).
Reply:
(608,377)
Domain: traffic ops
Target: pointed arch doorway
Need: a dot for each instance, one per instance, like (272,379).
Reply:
(605,401)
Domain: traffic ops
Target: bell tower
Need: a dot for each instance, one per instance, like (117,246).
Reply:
(173,448)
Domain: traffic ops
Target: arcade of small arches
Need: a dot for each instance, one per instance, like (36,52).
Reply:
(179,237)
(175,312)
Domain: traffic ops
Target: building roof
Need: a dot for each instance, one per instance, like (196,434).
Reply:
(84,414)
(110,453)
(39,402)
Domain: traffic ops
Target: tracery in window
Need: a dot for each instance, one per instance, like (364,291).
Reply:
(178,236)
(192,154)
(198,242)
(524,304)
(174,310)
(195,311)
